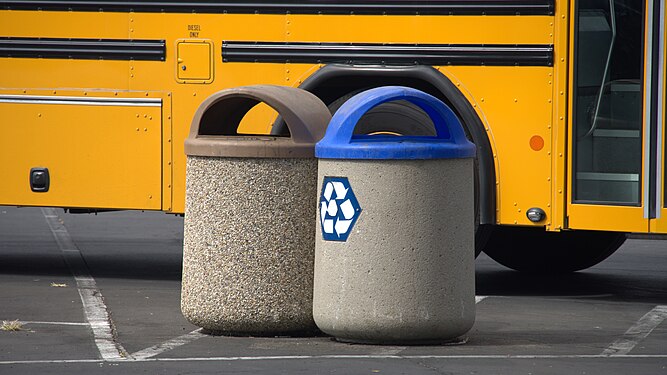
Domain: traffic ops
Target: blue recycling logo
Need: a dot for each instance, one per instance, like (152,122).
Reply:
(339,209)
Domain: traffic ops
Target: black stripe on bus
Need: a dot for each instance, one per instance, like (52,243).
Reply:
(97,49)
(388,54)
(396,7)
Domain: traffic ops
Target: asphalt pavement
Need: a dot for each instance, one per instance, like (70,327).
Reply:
(100,294)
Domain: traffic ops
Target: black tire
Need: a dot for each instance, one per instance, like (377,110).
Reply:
(404,118)
(398,117)
(534,250)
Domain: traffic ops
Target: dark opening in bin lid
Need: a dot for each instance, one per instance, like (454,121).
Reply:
(340,142)
(214,129)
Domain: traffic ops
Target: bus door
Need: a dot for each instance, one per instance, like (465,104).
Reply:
(659,225)
(617,130)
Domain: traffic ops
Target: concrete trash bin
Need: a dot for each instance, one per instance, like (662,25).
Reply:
(249,240)
(394,251)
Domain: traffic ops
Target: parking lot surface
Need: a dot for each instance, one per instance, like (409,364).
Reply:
(100,294)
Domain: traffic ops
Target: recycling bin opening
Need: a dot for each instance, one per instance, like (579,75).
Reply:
(394,250)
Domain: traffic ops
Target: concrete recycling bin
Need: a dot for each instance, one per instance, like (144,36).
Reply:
(394,251)
(249,240)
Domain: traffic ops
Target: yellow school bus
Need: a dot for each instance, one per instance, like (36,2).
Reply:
(564,100)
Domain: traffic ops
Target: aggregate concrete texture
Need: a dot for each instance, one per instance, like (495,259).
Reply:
(406,272)
(249,244)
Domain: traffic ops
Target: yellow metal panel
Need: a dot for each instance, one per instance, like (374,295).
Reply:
(420,29)
(559,117)
(59,73)
(612,218)
(513,114)
(99,153)
(217,27)
(660,225)
(167,153)
(64,24)
(194,61)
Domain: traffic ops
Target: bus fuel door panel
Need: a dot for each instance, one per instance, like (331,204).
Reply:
(194,61)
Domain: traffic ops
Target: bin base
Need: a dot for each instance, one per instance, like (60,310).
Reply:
(450,342)
(304,333)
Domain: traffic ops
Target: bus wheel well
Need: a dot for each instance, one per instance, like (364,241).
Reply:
(335,81)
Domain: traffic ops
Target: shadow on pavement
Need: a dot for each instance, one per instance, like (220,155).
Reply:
(110,265)
(594,284)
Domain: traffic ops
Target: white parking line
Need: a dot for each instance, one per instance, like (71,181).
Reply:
(346,357)
(55,323)
(637,332)
(168,345)
(93,303)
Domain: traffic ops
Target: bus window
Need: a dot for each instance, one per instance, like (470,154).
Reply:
(608,96)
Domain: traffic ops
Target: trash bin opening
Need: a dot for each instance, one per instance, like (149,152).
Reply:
(395,118)
(215,127)
(381,137)
(340,140)
(238,117)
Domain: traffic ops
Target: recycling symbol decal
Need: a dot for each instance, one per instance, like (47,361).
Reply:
(339,208)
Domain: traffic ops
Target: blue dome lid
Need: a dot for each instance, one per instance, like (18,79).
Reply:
(340,142)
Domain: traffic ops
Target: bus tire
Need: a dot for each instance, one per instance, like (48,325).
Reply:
(534,250)
(404,118)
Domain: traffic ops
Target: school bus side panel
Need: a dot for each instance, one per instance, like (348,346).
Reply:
(99,152)
(523,173)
